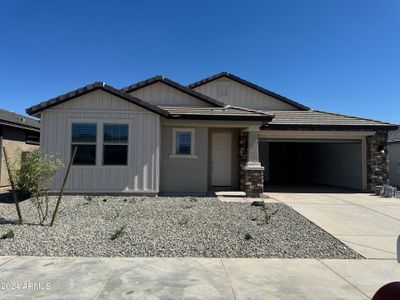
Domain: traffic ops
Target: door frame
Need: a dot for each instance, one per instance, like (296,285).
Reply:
(229,166)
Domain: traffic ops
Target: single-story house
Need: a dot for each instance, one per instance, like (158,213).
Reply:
(18,134)
(221,133)
(394,157)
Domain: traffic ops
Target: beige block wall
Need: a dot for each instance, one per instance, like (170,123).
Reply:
(14,142)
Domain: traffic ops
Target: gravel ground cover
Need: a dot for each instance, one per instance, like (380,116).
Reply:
(167,227)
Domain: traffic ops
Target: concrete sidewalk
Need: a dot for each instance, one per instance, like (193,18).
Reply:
(192,278)
(368,224)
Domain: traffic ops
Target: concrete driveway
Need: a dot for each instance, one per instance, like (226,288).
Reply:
(368,224)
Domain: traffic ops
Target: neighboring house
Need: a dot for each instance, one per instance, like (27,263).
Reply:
(18,134)
(223,132)
(394,157)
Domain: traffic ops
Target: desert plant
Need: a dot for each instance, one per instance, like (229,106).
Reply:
(267,214)
(33,176)
(193,199)
(8,235)
(183,221)
(248,236)
(119,232)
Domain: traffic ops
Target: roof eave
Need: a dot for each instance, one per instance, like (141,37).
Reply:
(17,125)
(331,127)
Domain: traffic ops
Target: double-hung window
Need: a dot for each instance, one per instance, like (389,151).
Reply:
(183,142)
(115,148)
(84,136)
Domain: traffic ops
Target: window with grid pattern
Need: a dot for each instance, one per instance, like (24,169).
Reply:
(115,144)
(84,136)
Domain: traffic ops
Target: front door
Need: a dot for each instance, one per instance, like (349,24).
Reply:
(221,161)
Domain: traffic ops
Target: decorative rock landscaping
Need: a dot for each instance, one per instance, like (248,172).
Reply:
(167,227)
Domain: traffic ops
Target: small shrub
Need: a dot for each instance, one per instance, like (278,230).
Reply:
(193,199)
(104,200)
(248,236)
(119,232)
(183,221)
(88,198)
(8,235)
(33,176)
(267,215)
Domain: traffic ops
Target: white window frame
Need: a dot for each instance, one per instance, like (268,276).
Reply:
(84,143)
(192,145)
(100,141)
(108,143)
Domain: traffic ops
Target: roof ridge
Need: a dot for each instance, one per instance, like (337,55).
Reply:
(250,85)
(172,83)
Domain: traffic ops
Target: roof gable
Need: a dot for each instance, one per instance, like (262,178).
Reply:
(199,86)
(36,109)
(185,95)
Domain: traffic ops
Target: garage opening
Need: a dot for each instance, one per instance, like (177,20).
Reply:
(312,165)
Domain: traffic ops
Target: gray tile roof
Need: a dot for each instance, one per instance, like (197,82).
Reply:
(210,113)
(394,136)
(315,118)
(16,120)
(175,85)
(216,113)
(250,85)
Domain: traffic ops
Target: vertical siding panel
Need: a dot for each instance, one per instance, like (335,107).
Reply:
(241,95)
(162,94)
(140,146)
(143,143)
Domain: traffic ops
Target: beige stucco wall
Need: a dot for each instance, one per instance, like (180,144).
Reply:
(193,175)
(184,175)
(14,142)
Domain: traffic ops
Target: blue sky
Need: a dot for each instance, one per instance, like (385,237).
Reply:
(335,55)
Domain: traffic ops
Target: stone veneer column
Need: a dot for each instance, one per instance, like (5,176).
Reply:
(251,173)
(377,160)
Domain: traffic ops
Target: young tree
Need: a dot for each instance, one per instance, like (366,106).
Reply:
(33,176)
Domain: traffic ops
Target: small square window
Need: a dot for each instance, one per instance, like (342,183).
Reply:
(183,141)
